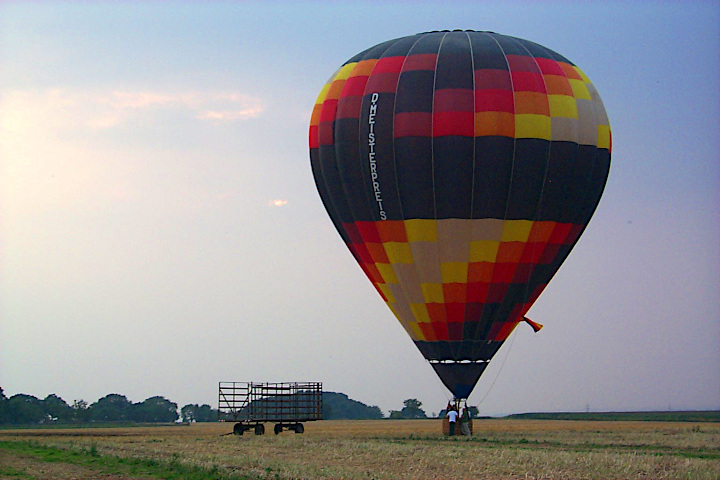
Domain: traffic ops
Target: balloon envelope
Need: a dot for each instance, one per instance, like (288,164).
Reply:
(460,168)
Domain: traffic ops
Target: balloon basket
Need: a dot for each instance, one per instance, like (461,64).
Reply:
(446,427)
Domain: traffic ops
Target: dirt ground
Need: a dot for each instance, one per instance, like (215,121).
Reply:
(385,449)
(28,467)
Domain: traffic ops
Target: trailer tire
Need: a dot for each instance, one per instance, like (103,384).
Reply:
(299,428)
(278,428)
(259,429)
(239,429)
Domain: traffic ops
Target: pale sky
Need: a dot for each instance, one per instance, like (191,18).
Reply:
(160,230)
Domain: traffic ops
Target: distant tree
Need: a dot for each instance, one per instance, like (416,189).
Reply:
(111,408)
(187,413)
(198,413)
(80,412)
(340,406)
(155,410)
(3,407)
(57,409)
(411,409)
(23,408)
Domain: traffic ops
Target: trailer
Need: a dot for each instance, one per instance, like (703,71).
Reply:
(287,405)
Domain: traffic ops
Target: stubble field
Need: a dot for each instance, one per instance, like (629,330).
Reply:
(377,449)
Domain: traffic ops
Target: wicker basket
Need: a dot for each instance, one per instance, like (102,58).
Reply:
(446,427)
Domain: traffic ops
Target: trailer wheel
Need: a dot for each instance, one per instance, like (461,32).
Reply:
(299,428)
(239,429)
(278,428)
(259,429)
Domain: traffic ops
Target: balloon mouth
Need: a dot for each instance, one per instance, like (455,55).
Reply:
(459,377)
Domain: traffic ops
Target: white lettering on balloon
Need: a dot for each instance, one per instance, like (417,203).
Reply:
(371,155)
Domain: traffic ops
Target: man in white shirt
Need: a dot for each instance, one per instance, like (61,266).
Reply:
(452,415)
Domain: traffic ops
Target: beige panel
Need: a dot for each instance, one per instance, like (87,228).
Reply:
(404,315)
(564,129)
(409,282)
(599,109)
(454,239)
(587,123)
(427,263)
(487,229)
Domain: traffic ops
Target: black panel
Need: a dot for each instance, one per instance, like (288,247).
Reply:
(511,45)
(350,168)
(428,43)
(453,168)
(467,350)
(414,176)
(402,46)
(459,378)
(486,52)
(493,168)
(324,194)
(333,184)
(454,65)
(415,91)
(539,51)
(558,183)
(531,157)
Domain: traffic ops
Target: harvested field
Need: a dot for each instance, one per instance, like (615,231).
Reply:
(380,449)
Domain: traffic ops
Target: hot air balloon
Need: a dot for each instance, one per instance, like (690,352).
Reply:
(460,168)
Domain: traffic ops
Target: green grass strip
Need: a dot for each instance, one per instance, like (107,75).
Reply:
(91,459)
(9,472)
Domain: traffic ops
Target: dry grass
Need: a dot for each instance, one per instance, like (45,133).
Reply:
(409,449)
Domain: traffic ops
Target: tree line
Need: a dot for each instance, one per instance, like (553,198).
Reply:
(22,409)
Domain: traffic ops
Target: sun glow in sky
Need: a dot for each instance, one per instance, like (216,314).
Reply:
(140,143)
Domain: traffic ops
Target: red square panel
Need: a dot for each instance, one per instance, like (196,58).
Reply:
(392,231)
(477,292)
(455,312)
(455,331)
(454,292)
(441,331)
(436,312)
(496,293)
(368,232)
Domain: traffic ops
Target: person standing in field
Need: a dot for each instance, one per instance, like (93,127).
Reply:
(452,416)
(465,421)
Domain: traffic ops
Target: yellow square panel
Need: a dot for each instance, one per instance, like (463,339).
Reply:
(562,106)
(483,251)
(421,230)
(420,312)
(386,272)
(398,252)
(344,71)
(385,289)
(579,89)
(419,336)
(582,75)
(517,230)
(323,93)
(433,292)
(454,272)
(603,136)
(532,126)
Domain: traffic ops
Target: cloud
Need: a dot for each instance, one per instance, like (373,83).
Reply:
(54,142)
(215,116)
(59,108)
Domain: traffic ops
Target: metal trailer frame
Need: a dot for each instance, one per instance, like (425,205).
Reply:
(286,404)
